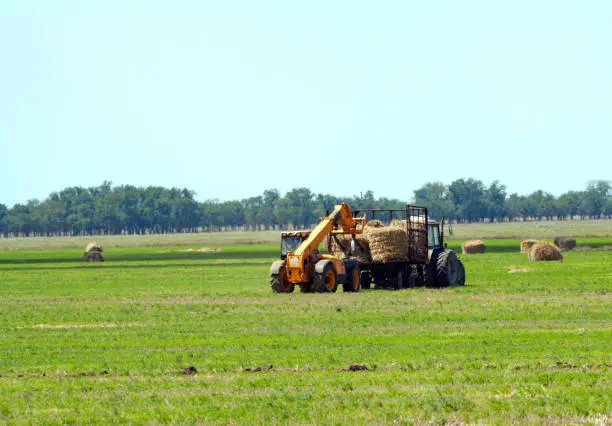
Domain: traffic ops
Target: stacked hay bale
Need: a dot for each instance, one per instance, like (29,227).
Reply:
(544,251)
(341,245)
(93,253)
(419,239)
(473,247)
(526,245)
(386,243)
(565,243)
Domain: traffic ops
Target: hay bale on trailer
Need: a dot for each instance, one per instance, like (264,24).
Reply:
(341,246)
(473,247)
(565,243)
(374,223)
(544,251)
(93,253)
(387,243)
(526,245)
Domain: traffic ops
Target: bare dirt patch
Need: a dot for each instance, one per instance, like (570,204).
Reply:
(513,270)
(98,325)
(203,250)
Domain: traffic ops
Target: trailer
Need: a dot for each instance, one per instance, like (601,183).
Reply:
(426,262)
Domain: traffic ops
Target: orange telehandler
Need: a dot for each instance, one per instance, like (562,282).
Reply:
(301,263)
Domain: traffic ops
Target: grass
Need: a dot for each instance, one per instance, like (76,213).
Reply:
(575,228)
(99,343)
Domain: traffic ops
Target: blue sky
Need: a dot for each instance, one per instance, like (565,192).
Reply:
(231,98)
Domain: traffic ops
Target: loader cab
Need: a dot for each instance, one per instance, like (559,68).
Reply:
(291,241)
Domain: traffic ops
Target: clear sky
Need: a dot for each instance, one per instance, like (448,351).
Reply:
(230,98)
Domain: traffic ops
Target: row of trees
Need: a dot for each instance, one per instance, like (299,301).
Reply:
(113,210)
(470,200)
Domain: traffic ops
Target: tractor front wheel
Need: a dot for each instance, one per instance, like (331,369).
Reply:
(280,283)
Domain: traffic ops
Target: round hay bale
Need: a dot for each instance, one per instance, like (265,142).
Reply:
(473,247)
(565,243)
(93,246)
(526,245)
(544,251)
(93,256)
(387,243)
(374,223)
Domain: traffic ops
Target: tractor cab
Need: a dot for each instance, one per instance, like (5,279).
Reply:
(290,240)
(435,235)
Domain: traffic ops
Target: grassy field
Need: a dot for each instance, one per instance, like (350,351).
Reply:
(576,228)
(90,343)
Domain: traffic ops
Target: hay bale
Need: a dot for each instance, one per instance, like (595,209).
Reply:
(93,246)
(544,251)
(565,243)
(92,256)
(341,245)
(374,223)
(526,245)
(472,247)
(387,243)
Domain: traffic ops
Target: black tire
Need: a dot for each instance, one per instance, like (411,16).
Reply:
(366,280)
(397,281)
(460,273)
(354,274)
(306,288)
(327,280)
(280,284)
(429,275)
(446,268)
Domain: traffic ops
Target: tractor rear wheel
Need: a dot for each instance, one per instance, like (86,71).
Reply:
(353,280)
(447,268)
(460,273)
(326,281)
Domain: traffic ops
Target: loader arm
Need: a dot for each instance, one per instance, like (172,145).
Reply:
(301,262)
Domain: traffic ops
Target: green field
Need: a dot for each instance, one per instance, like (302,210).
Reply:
(90,343)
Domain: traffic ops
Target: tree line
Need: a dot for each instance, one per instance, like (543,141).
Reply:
(108,209)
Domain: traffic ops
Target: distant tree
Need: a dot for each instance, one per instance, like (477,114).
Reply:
(3,213)
(435,196)
(596,197)
(468,198)
(495,200)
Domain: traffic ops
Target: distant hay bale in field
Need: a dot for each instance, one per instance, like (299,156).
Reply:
(544,251)
(526,245)
(387,243)
(473,247)
(341,245)
(565,243)
(93,246)
(93,253)
(374,223)
(92,256)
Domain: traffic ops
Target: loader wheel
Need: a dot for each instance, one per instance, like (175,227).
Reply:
(460,273)
(353,282)
(326,281)
(447,269)
(280,283)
